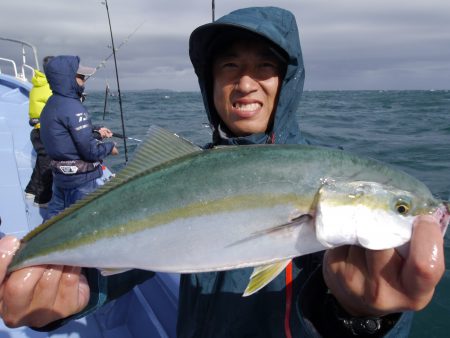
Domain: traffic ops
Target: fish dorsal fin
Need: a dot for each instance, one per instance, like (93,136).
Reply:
(160,146)
(263,275)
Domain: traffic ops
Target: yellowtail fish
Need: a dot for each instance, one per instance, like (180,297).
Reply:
(178,208)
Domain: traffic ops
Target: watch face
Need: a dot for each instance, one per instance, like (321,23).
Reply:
(365,325)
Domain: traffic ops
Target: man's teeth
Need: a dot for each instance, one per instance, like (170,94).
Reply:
(247,107)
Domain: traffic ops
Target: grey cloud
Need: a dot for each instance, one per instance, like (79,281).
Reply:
(347,44)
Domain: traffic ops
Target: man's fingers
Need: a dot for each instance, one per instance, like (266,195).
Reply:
(47,287)
(425,264)
(8,246)
(57,294)
(344,270)
(73,294)
(386,264)
(105,132)
(39,295)
(18,292)
(84,292)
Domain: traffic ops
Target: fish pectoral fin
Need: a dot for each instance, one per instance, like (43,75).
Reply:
(263,275)
(112,271)
(285,227)
(293,223)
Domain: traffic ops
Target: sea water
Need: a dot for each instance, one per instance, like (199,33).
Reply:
(408,129)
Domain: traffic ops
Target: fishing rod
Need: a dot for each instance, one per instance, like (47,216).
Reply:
(213,9)
(98,136)
(128,138)
(103,62)
(118,85)
(106,99)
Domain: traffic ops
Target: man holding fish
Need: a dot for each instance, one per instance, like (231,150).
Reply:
(250,69)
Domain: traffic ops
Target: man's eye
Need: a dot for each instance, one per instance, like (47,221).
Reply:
(268,69)
(229,65)
(269,65)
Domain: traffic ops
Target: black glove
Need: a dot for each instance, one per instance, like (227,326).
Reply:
(33,122)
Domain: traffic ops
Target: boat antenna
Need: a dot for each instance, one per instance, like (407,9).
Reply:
(118,85)
(213,5)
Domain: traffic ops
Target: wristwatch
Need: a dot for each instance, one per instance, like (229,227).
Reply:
(361,326)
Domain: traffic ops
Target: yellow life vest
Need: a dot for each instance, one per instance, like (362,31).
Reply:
(39,95)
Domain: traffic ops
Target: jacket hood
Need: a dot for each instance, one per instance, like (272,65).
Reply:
(39,79)
(61,72)
(279,27)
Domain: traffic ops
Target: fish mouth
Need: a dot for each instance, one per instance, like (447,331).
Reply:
(443,214)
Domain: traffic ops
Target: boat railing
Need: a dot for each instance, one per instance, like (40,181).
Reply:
(26,71)
(31,70)
(13,64)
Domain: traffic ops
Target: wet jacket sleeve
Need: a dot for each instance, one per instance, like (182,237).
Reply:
(320,318)
(89,148)
(103,290)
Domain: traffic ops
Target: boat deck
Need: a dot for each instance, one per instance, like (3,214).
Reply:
(17,157)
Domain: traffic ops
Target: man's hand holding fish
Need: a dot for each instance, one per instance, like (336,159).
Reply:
(377,283)
(36,296)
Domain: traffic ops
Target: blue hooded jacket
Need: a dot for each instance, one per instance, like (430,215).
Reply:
(211,304)
(66,128)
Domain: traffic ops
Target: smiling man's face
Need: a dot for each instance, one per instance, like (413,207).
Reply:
(246,81)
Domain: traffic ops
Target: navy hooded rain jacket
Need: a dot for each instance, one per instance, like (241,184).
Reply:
(66,128)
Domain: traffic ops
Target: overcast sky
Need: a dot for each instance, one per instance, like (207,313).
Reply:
(347,44)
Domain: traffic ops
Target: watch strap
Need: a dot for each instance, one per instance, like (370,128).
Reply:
(370,326)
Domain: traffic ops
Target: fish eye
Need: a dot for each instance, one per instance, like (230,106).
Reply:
(402,207)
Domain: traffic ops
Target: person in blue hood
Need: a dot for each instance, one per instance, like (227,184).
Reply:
(250,70)
(67,134)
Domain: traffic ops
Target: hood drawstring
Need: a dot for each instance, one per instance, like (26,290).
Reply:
(271,138)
